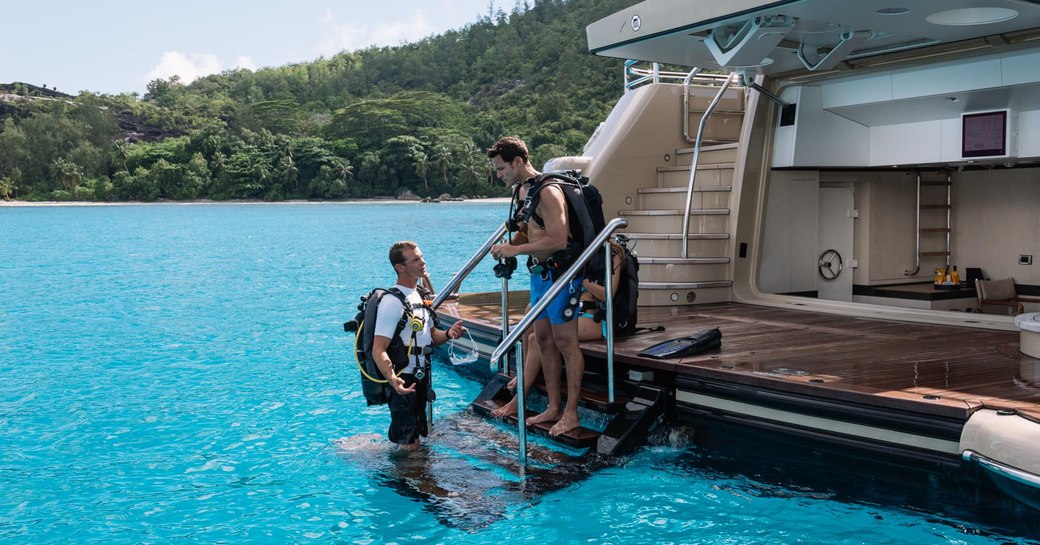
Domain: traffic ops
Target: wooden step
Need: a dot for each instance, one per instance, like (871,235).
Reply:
(578,438)
(683,261)
(922,254)
(708,176)
(666,244)
(932,230)
(674,212)
(724,153)
(672,294)
(935,206)
(701,220)
(677,236)
(681,190)
(685,285)
(669,197)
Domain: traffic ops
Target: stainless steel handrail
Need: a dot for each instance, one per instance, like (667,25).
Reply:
(654,74)
(513,338)
(693,164)
(917,240)
(529,318)
(456,280)
(686,103)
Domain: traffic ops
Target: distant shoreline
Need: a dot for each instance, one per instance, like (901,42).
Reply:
(493,200)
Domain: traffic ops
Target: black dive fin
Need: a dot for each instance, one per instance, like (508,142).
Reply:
(702,341)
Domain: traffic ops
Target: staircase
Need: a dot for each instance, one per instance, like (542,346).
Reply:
(655,223)
(627,420)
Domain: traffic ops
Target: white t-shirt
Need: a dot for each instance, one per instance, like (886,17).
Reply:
(390,311)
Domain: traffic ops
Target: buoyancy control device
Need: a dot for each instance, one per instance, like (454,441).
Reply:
(584,213)
(374,387)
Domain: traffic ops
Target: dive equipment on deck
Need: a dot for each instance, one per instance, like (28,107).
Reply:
(702,341)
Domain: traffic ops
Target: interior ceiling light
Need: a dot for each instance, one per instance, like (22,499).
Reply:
(971,16)
(893,11)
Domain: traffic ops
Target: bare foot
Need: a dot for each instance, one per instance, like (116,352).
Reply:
(512,385)
(509,409)
(566,424)
(549,415)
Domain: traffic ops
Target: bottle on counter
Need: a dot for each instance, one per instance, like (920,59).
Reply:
(955,278)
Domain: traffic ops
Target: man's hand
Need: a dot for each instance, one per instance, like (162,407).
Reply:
(398,385)
(456,330)
(500,251)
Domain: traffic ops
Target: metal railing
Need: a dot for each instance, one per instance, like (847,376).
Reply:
(696,158)
(513,338)
(636,75)
(708,79)
(457,279)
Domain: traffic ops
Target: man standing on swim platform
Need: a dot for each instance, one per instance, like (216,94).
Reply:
(409,377)
(557,335)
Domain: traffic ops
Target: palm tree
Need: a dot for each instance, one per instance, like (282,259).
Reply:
(422,169)
(6,188)
(68,173)
(123,150)
(442,160)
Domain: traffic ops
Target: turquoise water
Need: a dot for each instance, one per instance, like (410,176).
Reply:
(178,373)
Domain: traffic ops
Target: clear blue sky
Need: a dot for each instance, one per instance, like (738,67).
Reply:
(116,46)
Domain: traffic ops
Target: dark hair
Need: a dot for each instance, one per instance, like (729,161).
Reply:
(397,251)
(509,148)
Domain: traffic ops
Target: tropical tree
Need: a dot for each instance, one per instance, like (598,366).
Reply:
(7,188)
(69,174)
(421,162)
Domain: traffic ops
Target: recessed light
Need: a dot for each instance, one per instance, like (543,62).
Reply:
(971,16)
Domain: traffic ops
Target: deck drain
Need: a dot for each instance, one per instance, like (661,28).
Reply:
(931,397)
(816,380)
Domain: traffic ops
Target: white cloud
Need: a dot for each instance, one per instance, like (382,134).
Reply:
(246,62)
(337,36)
(189,68)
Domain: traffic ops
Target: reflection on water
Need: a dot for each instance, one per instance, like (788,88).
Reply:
(467,473)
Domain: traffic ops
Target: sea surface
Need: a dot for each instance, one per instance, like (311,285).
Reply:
(179,374)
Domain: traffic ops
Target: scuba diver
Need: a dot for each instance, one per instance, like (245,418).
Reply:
(591,327)
(547,243)
(402,354)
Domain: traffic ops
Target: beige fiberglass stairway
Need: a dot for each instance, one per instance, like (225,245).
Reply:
(704,276)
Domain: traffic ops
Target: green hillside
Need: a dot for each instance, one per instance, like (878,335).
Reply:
(375,122)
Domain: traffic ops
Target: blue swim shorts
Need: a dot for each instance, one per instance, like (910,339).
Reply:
(554,312)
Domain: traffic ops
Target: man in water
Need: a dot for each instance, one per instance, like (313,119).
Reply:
(408,371)
(557,335)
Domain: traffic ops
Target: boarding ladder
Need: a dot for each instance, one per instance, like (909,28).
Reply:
(934,237)
(637,413)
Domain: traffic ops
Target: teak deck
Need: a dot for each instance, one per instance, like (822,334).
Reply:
(939,371)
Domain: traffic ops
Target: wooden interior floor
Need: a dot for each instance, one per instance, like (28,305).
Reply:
(943,371)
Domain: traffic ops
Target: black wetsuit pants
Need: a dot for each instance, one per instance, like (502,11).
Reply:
(408,412)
